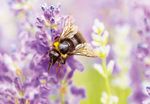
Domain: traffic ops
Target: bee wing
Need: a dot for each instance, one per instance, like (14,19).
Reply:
(69,29)
(84,50)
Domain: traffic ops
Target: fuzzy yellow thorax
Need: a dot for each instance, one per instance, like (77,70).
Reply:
(56,45)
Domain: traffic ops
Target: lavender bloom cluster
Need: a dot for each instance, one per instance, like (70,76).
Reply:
(24,73)
(22,11)
(141,58)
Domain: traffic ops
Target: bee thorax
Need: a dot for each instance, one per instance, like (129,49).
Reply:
(64,47)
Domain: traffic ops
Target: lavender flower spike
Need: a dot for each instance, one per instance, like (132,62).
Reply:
(24,74)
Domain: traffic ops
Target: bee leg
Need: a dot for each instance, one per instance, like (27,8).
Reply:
(50,63)
(49,66)
(62,60)
(57,69)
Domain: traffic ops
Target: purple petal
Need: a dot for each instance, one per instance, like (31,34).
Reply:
(74,64)
(78,92)
(148,90)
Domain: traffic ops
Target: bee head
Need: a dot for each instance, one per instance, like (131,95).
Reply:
(54,55)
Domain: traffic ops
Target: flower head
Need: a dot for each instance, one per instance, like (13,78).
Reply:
(100,39)
(100,42)
(50,26)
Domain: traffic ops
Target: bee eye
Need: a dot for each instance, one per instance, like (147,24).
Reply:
(54,55)
(64,47)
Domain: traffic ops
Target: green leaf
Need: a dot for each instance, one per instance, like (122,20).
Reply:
(93,83)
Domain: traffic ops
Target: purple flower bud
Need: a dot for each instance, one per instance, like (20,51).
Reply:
(52,20)
(52,7)
(142,50)
(148,90)
(78,92)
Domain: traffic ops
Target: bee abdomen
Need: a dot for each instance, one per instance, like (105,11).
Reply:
(78,39)
(68,45)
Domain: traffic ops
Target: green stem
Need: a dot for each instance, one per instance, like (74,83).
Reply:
(62,99)
(106,77)
(107,86)
(62,95)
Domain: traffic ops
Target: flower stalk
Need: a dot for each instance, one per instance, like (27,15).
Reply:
(100,41)
(106,77)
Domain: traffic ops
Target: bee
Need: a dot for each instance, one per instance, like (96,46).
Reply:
(70,42)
